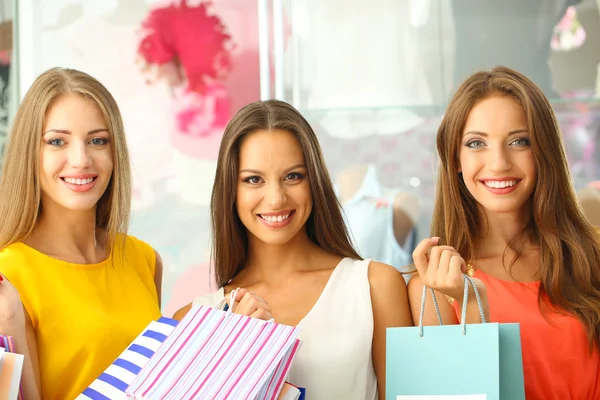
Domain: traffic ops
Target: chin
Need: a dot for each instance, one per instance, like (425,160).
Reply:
(502,207)
(79,205)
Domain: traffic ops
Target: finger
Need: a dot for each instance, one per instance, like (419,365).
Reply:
(434,257)
(421,254)
(250,303)
(261,303)
(445,261)
(457,266)
(245,305)
(239,295)
(263,314)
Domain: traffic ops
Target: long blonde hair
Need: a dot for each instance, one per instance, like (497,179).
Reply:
(569,244)
(20,192)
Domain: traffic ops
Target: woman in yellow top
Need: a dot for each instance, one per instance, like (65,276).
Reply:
(76,289)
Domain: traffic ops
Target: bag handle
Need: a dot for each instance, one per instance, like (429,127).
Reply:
(463,317)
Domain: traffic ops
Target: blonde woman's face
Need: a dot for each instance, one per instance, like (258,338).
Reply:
(76,162)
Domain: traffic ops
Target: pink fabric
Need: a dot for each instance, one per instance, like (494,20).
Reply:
(190,37)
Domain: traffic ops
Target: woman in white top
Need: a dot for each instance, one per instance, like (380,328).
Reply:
(278,234)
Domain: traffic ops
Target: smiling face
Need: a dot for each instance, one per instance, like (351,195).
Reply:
(76,161)
(273,198)
(496,161)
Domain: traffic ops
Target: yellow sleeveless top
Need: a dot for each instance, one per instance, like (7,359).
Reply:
(84,316)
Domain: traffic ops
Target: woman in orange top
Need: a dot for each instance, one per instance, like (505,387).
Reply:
(75,290)
(507,214)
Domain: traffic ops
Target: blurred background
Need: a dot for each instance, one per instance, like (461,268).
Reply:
(372,77)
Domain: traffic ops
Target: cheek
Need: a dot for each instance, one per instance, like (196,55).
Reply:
(302,194)
(104,161)
(245,201)
(50,165)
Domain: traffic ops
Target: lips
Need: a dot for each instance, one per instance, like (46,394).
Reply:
(500,184)
(276,217)
(78,181)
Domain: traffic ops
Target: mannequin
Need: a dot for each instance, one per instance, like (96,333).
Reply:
(382,221)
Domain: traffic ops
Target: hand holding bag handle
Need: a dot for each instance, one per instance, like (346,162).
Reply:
(463,317)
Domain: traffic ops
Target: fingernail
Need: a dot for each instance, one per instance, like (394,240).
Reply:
(1,278)
(437,239)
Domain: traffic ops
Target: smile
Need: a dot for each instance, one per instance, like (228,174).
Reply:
(500,184)
(501,187)
(74,181)
(276,220)
(80,185)
(275,217)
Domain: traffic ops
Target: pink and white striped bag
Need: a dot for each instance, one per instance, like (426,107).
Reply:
(216,354)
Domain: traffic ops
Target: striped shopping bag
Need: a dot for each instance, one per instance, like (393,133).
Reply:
(218,355)
(8,344)
(111,385)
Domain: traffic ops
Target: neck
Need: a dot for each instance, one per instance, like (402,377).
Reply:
(66,233)
(500,231)
(271,263)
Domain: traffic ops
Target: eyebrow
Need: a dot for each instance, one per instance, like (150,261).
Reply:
(255,171)
(515,132)
(67,132)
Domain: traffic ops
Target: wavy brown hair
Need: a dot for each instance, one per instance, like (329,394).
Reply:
(325,226)
(20,192)
(569,245)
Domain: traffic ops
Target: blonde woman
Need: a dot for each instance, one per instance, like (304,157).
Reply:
(75,289)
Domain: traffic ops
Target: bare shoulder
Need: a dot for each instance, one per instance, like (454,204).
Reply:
(182,312)
(414,284)
(384,276)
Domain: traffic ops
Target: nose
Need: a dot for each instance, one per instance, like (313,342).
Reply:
(499,160)
(79,155)
(275,195)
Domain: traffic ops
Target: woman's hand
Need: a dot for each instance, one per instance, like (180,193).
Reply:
(440,268)
(250,304)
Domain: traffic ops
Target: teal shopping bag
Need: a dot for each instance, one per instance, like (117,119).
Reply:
(454,362)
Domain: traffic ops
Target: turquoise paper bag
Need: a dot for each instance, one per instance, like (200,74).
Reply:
(454,362)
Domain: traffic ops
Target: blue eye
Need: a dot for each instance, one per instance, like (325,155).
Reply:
(522,142)
(55,142)
(99,141)
(475,144)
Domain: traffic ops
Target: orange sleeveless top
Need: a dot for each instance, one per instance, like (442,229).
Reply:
(557,364)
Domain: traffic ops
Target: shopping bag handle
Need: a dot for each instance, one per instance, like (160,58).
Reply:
(463,317)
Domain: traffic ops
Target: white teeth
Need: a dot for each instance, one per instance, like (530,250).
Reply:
(274,218)
(74,181)
(500,184)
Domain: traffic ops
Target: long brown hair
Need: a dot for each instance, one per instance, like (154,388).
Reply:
(20,192)
(569,244)
(325,226)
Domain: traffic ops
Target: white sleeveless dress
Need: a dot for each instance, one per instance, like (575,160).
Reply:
(335,359)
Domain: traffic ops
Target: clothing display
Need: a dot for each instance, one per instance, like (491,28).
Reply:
(369,216)
(187,45)
(363,57)
(481,30)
